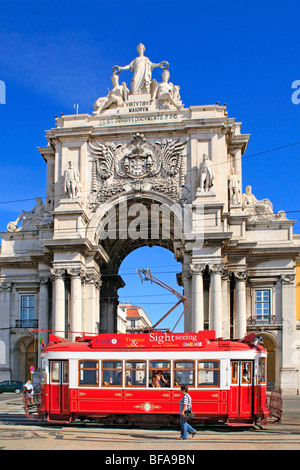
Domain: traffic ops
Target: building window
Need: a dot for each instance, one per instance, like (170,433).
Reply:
(262,301)
(27,311)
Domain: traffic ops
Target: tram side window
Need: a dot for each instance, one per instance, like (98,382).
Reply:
(184,373)
(208,374)
(262,370)
(135,373)
(111,373)
(159,374)
(88,373)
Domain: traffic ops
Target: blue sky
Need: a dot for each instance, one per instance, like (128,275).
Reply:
(54,54)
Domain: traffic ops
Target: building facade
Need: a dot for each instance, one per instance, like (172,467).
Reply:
(141,169)
(132,318)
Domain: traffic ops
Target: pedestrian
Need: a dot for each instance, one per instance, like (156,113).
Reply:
(28,391)
(185,409)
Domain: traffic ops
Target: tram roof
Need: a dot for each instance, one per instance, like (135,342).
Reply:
(156,340)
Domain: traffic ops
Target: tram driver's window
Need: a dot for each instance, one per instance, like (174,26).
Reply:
(111,373)
(159,374)
(135,373)
(246,372)
(208,373)
(88,373)
(184,373)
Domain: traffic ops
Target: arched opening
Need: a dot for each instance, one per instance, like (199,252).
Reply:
(271,346)
(153,299)
(26,355)
(124,225)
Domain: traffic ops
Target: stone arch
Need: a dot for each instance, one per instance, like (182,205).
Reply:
(272,346)
(25,354)
(124,224)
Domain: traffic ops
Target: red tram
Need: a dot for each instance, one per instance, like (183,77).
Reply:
(134,378)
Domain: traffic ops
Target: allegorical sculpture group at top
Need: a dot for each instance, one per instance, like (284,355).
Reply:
(165,93)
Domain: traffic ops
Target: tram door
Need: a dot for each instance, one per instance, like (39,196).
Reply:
(241,389)
(59,388)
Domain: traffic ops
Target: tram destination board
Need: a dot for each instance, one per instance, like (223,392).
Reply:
(152,340)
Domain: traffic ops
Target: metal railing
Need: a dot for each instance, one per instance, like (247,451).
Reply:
(26,324)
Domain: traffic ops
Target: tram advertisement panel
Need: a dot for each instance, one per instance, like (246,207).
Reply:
(153,340)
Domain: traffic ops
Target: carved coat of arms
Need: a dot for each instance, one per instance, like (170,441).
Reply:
(138,165)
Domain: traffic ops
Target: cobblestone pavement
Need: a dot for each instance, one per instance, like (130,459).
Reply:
(19,433)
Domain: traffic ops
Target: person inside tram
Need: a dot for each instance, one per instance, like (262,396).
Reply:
(162,380)
(156,380)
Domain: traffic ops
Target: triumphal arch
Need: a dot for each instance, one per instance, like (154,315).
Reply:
(142,169)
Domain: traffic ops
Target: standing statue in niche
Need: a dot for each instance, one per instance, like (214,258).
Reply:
(142,68)
(72,182)
(234,187)
(206,174)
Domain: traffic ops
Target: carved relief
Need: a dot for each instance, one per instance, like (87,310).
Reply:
(137,166)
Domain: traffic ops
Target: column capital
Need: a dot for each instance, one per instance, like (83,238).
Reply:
(197,268)
(57,272)
(287,278)
(93,279)
(76,272)
(216,268)
(6,286)
(44,280)
(240,275)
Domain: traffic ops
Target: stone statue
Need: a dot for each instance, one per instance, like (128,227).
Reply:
(259,210)
(72,182)
(115,97)
(206,174)
(142,68)
(30,219)
(234,186)
(166,93)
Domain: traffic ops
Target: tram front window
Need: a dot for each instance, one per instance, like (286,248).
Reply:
(135,373)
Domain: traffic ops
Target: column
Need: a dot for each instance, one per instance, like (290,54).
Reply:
(44,310)
(186,281)
(5,357)
(76,302)
(91,303)
(216,298)
(58,317)
(290,358)
(196,271)
(109,301)
(226,302)
(240,310)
